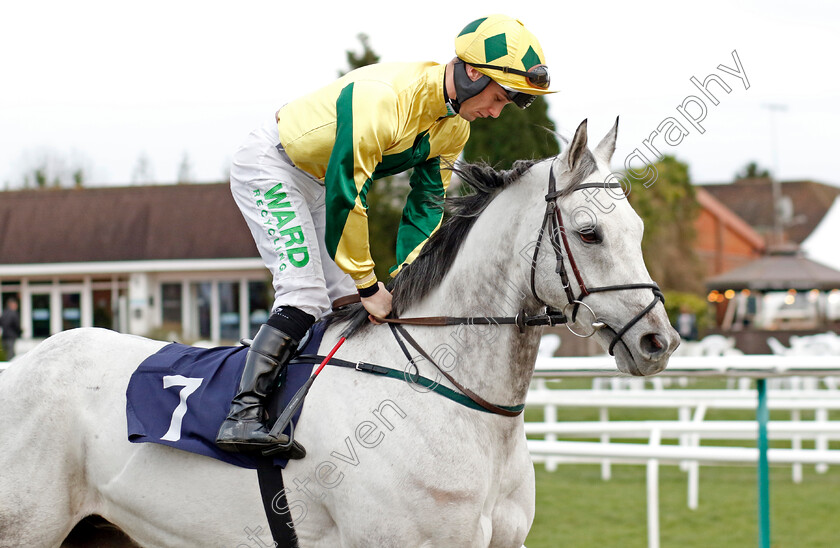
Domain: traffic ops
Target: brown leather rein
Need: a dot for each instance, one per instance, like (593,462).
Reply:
(550,316)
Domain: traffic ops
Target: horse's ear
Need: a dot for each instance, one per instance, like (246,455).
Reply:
(578,146)
(605,149)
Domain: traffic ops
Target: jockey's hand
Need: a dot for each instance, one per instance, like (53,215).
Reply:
(378,305)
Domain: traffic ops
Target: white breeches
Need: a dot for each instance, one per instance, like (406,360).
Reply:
(285,211)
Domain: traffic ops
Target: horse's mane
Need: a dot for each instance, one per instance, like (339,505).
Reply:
(415,281)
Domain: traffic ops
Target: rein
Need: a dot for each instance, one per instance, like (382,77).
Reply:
(560,242)
(553,220)
(400,331)
(521,320)
(550,316)
(379,370)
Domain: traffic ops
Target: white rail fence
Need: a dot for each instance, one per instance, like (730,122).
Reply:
(797,384)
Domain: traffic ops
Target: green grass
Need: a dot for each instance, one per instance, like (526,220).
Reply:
(577,509)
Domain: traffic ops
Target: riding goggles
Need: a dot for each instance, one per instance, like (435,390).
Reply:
(537,77)
(522,100)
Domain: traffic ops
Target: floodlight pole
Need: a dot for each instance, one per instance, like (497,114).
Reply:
(774,176)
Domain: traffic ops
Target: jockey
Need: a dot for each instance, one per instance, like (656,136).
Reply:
(301,182)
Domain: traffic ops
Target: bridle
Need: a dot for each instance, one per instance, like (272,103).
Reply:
(553,220)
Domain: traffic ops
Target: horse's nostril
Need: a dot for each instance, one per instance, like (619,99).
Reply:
(653,344)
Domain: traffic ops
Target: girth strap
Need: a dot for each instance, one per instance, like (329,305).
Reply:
(273,494)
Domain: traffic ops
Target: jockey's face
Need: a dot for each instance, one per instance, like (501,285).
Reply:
(487,104)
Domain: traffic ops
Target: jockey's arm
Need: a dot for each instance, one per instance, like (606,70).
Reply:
(423,211)
(429,183)
(366,124)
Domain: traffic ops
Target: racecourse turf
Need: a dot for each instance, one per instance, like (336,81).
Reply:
(577,509)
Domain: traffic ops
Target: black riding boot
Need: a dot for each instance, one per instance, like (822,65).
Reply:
(244,429)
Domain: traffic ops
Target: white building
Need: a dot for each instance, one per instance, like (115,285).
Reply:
(162,261)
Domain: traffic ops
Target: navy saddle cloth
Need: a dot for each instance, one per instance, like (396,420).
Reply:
(180,396)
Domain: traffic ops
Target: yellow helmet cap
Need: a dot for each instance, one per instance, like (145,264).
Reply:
(502,41)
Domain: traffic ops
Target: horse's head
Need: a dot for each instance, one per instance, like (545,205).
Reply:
(587,261)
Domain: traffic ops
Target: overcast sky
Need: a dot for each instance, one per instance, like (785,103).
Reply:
(100,83)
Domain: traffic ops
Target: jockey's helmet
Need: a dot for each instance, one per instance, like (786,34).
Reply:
(502,49)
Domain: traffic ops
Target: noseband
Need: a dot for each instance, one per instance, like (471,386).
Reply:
(553,220)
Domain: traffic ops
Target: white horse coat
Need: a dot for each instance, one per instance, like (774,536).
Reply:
(388,464)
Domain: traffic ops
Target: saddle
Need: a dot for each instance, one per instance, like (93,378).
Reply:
(180,395)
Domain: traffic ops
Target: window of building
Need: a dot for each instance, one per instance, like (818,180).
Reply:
(229,311)
(103,309)
(172,306)
(40,315)
(260,299)
(71,310)
(201,293)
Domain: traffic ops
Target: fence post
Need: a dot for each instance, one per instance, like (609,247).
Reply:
(606,468)
(694,466)
(684,416)
(653,492)
(550,417)
(821,415)
(796,443)
(763,416)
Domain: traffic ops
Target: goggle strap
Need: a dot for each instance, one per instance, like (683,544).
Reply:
(466,88)
(508,70)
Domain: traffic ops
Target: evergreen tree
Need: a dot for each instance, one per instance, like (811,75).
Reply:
(516,134)
(668,208)
(78,178)
(386,197)
(752,171)
(47,168)
(358,60)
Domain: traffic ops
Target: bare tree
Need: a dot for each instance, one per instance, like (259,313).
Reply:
(185,174)
(48,168)
(142,172)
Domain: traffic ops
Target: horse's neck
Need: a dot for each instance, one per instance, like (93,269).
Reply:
(487,278)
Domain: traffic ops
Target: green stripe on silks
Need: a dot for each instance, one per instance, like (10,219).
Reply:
(339,181)
(391,164)
(420,218)
(446,392)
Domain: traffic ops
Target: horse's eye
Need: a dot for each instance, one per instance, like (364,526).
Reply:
(590,235)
